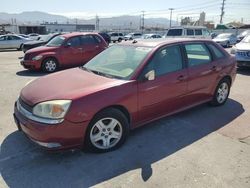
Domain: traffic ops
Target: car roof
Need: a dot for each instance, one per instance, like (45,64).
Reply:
(160,42)
(68,35)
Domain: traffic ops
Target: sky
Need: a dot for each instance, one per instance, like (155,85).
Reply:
(235,10)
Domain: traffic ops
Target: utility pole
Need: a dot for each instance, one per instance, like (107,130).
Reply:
(171,9)
(76,23)
(222,11)
(97,21)
(142,27)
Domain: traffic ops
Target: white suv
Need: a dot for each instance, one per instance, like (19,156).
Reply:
(116,37)
(188,32)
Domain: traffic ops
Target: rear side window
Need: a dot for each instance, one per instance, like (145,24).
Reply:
(88,39)
(197,54)
(190,32)
(174,32)
(97,39)
(217,53)
(198,32)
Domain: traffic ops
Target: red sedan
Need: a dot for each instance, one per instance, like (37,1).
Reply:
(68,50)
(124,87)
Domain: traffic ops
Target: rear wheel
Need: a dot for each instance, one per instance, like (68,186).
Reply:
(119,40)
(50,65)
(107,131)
(221,93)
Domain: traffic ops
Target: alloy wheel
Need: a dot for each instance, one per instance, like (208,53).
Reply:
(222,92)
(106,133)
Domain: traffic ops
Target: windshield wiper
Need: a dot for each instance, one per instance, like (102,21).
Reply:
(99,73)
(86,69)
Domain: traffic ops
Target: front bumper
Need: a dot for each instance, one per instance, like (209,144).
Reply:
(243,58)
(30,64)
(65,135)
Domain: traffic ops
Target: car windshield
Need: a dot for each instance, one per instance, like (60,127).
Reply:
(57,41)
(246,39)
(118,61)
(45,37)
(223,36)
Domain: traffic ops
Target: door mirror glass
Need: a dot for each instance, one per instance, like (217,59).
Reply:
(150,75)
(68,44)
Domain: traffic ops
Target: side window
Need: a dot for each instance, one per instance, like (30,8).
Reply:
(9,38)
(15,38)
(174,32)
(166,60)
(218,54)
(190,32)
(3,38)
(74,41)
(88,39)
(197,54)
(198,32)
(97,39)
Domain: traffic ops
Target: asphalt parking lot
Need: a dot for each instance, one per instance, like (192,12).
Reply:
(201,147)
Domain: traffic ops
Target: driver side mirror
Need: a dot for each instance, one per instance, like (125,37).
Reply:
(68,44)
(150,75)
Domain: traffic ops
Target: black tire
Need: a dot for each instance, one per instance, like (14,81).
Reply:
(119,40)
(216,97)
(101,116)
(50,65)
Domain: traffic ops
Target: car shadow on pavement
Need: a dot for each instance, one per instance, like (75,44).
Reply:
(22,164)
(244,71)
(30,73)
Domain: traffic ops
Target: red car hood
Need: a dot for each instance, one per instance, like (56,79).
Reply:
(68,84)
(42,49)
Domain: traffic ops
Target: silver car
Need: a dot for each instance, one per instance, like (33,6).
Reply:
(242,52)
(226,39)
(12,41)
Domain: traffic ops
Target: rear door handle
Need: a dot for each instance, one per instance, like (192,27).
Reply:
(214,68)
(181,78)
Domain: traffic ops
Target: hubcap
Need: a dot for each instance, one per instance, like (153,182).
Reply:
(106,133)
(50,65)
(222,92)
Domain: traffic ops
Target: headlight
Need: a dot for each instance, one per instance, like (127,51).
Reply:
(233,50)
(38,57)
(52,109)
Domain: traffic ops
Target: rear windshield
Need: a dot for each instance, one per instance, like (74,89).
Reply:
(174,32)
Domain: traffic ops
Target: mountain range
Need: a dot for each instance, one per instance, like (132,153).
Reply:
(37,17)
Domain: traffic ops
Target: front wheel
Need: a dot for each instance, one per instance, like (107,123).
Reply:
(50,65)
(107,131)
(221,93)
